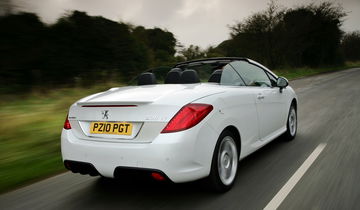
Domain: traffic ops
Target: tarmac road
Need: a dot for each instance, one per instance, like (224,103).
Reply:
(289,175)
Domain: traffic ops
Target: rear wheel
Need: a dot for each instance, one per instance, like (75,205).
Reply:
(291,124)
(224,163)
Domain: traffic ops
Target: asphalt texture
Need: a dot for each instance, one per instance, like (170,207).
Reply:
(328,112)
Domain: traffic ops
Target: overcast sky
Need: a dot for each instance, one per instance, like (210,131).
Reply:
(198,22)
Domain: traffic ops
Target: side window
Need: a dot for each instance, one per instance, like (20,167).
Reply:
(230,77)
(251,74)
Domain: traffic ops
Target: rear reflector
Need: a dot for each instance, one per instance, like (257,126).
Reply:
(188,116)
(109,105)
(67,125)
(157,176)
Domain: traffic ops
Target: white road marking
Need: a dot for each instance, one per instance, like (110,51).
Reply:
(290,184)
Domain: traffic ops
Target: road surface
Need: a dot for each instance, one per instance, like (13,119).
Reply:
(320,169)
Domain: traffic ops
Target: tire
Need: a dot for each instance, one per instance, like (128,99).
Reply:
(224,163)
(291,124)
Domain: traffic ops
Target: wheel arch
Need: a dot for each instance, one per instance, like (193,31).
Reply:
(236,132)
(294,102)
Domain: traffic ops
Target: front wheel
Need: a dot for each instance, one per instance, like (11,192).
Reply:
(224,163)
(291,124)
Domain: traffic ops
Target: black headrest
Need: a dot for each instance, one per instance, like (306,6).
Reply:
(215,76)
(173,76)
(189,76)
(146,78)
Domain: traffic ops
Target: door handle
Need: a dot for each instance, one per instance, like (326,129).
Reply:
(260,96)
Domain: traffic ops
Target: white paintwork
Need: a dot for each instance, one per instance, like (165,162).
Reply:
(182,156)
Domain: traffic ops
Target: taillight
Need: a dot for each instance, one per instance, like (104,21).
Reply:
(188,116)
(67,125)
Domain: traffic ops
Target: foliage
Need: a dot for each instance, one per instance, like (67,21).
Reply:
(21,50)
(192,52)
(77,50)
(84,45)
(195,52)
(350,46)
(313,34)
(305,36)
(159,43)
(256,37)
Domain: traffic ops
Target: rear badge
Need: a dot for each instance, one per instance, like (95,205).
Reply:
(105,114)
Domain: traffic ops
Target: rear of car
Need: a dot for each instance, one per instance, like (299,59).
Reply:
(110,132)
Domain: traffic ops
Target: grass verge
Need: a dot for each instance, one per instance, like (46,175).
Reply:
(295,73)
(31,126)
(30,134)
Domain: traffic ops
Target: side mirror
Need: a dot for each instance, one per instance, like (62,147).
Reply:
(282,83)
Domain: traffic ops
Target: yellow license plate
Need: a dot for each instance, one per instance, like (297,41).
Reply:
(118,128)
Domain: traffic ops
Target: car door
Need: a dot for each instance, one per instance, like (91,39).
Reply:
(268,99)
(239,106)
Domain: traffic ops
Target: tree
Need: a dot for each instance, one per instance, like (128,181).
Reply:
(192,52)
(311,35)
(350,46)
(21,51)
(77,49)
(256,36)
(160,43)
(305,36)
(92,48)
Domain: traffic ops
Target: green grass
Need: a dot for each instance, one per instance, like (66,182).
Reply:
(30,134)
(31,126)
(294,73)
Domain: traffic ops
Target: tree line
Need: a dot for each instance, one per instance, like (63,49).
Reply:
(279,37)
(79,49)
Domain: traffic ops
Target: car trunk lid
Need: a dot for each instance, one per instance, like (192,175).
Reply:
(146,108)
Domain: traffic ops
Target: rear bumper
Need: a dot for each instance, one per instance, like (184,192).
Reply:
(120,172)
(182,156)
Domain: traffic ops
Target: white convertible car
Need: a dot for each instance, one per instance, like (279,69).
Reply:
(186,129)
